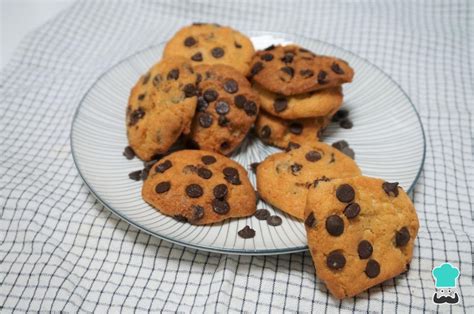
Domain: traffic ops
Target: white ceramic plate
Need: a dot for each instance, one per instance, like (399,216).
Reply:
(387,138)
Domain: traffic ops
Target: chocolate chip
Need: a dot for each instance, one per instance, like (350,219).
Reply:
(135,175)
(364,249)
(274,220)
(246,233)
(231,86)
(198,78)
(265,132)
(266,57)
(173,74)
(180,218)
(237,45)
(254,166)
(296,128)
(313,156)
(136,115)
(352,210)
(271,47)
(262,214)
(190,41)
(348,152)
(157,80)
(335,260)
(256,68)
(128,152)
(205,120)
(197,57)
(345,193)
(210,95)
(295,168)
(201,104)
(198,212)
(322,179)
(189,90)
(322,76)
(335,225)
(346,124)
(306,73)
(162,187)
(222,121)
(231,175)
(372,269)
(240,101)
(291,146)
(224,146)
(204,173)
(208,160)
(141,96)
(194,190)
(250,108)
(339,145)
(220,191)
(161,168)
(391,189)
(336,68)
(288,70)
(310,221)
(220,207)
(222,107)
(217,52)
(402,237)
(339,115)
(146,78)
(280,104)
(287,58)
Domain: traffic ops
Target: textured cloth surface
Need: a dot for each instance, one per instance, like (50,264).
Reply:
(61,250)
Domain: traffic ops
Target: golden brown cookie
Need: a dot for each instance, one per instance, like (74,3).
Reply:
(227,109)
(308,105)
(280,133)
(212,44)
(360,231)
(283,179)
(161,107)
(292,70)
(199,187)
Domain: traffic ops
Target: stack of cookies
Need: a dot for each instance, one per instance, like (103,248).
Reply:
(207,92)
(299,91)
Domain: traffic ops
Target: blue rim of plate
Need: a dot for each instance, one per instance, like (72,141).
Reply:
(218,249)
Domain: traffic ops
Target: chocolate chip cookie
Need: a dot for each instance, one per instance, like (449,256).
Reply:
(291,70)
(227,108)
(360,231)
(161,107)
(199,187)
(308,105)
(284,179)
(282,133)
(212,44)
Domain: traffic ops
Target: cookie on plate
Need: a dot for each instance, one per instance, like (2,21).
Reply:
(161,107)
(199,187)
(292,70)
(203,43)
(227,109)
(360,232)
(284,179)
(308,105)
(280,133)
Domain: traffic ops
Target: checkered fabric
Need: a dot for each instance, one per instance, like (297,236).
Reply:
(62,250)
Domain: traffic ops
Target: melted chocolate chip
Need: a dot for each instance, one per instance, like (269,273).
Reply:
(220,207)
(162,187)
(217,52)
(129,153)
(194,190)
(237,45)
(173,74)
(246,233)
(135,175)
(190,41)
(205,120)
(336,68)
(266,57)
(240,101)
(291,146)
(201,104)
(287,58)
(274,220)
(231,86)
(141,96)
(161,168)
(310,221)
(222,107)
(136,115)
(313,156)
(224,146)
(280,104)
(265,132)
(157,80)
(262,214)
(295,168)
(322,77)
(352,210)
(222,121)
(346,124)
(197,57)
(198,212)
(345,193)
(210,95)
(204,173)
(372,269)
(391,189)
(335,260)
(364,249)
(208,160)
(250,108)
(189,90)
(335,225)
(296,128)
(306,73)
(256,68)
(402,237)
(220,191)
(288,70)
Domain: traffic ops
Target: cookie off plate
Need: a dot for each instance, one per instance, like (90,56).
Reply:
(387,137)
